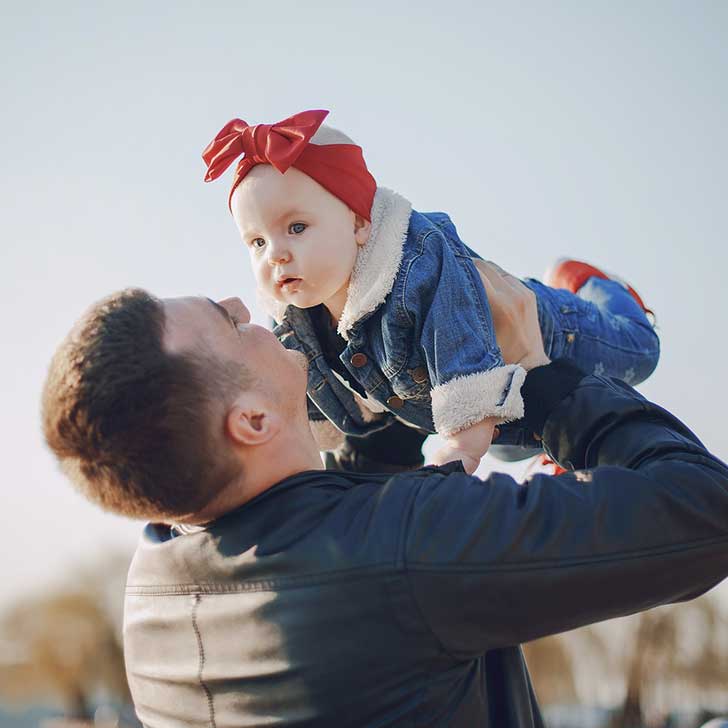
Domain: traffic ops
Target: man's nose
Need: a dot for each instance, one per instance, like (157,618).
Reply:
(237,309)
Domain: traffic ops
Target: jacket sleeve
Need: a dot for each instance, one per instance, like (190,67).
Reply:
(445,301)
(643,521)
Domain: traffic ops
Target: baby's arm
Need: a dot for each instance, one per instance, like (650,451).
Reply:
(443,301)
(468,445)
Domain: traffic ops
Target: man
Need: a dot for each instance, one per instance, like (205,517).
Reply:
(268,591)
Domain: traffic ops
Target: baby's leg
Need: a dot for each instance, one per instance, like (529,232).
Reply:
(600,326)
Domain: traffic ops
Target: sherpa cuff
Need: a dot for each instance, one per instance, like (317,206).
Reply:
(464,401)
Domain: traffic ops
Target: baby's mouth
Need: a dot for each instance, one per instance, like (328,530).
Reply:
(288,282)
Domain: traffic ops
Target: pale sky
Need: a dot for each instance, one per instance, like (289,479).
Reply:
(588,129)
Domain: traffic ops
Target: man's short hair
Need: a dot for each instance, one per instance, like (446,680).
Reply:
(133,425)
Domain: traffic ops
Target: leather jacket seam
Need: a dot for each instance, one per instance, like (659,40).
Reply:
(283,582)
(201,662)
(560,563)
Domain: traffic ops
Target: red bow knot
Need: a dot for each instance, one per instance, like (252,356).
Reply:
(338,168)
(278,144)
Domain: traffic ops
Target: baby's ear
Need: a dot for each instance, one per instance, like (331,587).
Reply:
(362,228)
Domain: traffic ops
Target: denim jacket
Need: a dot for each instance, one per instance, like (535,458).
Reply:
(419,333)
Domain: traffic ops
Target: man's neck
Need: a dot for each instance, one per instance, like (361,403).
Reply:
(290,454)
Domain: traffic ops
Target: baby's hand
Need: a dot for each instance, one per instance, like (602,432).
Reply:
(447,455)
(468,445)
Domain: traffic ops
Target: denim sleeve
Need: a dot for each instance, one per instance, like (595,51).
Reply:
(445,301)
(314,413)
(643,521)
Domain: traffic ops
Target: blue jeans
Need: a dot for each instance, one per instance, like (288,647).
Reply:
(601,328)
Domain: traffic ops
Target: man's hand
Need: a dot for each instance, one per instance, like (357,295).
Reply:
(515,316)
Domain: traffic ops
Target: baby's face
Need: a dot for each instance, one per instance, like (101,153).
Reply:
(301,239)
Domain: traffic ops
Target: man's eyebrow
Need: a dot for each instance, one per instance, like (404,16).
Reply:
(223,312)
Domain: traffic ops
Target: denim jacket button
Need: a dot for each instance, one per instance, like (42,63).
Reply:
(419,375)
(359,360)
(395,402)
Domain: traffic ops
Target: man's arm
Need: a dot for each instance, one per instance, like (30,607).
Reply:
(643,521)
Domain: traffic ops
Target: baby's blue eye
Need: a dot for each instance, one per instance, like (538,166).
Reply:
(296,228)
(257,242)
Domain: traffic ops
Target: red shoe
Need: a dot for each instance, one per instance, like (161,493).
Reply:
(571,275)
(544,464)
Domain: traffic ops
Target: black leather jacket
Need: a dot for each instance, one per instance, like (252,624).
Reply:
(359,600)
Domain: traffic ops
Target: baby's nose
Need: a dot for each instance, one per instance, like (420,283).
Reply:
(278,253)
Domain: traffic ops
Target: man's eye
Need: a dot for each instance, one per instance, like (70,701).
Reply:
(257,242)
(297,228)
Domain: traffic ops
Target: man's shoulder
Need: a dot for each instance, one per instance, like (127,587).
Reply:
(322,524)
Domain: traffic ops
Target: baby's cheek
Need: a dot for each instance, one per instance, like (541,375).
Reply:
(262,276)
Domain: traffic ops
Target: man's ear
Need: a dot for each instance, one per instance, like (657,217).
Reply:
(251,421)
(362,228)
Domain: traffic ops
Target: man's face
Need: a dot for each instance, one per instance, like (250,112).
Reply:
(224,330)
(300,237)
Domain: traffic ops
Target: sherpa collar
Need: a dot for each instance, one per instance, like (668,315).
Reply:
(376,265)
(377,262)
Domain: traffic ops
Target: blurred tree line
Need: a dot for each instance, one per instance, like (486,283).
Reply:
(64,646)
(649,664)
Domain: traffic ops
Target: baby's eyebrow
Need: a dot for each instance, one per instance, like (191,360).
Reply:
(294,212)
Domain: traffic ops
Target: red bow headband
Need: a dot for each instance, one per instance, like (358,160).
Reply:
(338,168)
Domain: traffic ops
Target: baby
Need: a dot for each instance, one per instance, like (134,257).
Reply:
(386,302)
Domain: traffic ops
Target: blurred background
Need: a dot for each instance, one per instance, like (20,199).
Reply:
(594,130)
